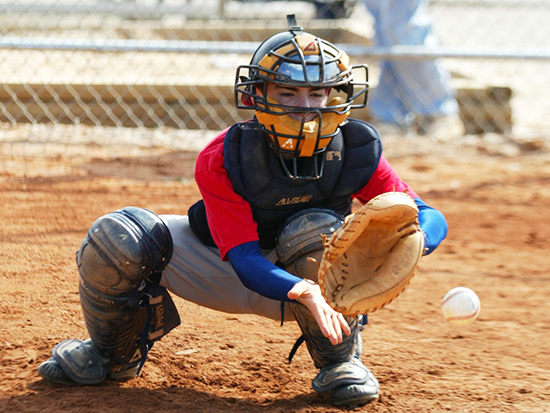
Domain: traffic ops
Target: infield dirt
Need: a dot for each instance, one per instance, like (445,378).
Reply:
(496,202)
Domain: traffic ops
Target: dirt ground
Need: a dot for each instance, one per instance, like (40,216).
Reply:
(495,195)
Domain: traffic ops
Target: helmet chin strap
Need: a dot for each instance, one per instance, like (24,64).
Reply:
(287,130)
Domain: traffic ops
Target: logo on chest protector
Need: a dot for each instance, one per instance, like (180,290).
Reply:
(294,200)
(334,156)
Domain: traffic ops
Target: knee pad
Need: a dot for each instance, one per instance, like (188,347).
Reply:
(300,238)
(119,257)
(120,250)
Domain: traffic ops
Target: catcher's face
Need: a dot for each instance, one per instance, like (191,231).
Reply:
(299,97)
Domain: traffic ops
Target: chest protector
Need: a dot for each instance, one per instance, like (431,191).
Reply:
(258,176)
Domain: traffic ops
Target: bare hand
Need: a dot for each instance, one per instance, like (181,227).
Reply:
(331,322)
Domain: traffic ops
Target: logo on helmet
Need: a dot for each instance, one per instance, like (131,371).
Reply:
(312,47)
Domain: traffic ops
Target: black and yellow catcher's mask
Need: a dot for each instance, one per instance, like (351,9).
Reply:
(298,59)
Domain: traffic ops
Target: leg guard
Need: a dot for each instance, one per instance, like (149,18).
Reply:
(342,372)
(125,310)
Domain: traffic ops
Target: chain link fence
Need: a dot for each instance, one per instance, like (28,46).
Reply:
(166,68)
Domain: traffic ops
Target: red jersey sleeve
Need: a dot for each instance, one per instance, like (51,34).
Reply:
(384,179)
(229,215)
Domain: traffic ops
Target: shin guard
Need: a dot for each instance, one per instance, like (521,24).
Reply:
(342,371)
(119,263)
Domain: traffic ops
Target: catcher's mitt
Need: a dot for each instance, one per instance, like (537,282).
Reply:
(370,260)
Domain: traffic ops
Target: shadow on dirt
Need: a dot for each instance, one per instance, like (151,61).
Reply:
(111,397)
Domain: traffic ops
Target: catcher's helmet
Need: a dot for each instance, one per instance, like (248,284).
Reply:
(298,59)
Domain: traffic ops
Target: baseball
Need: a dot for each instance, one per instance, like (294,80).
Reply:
(460,306)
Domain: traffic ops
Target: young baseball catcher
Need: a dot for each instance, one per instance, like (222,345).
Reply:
(274,234)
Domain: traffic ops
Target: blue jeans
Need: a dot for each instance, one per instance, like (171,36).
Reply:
(408,88)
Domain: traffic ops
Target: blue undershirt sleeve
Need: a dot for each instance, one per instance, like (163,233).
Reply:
(259,274)
(432,223)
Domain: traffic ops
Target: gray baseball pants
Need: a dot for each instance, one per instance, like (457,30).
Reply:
(196,273)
